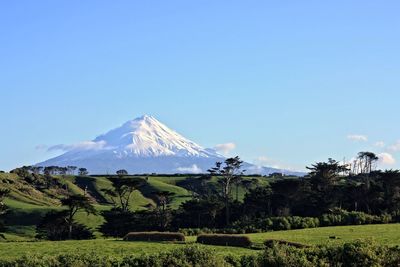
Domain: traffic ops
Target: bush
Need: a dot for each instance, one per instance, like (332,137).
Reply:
(225,240)
(343,217)
(154,236)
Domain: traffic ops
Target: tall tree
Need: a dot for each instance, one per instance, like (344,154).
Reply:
(163,200)
(122,191)
(227,173)
(83,172)
(74,204)
(71,169)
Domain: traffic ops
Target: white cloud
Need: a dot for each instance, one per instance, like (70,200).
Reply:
(395,147)
(268,162)
(357,137)
(85,145)
(386,158)
(192,169)
(225,148)
(380,144)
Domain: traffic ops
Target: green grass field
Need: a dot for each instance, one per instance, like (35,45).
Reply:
(28,205)
(388,234)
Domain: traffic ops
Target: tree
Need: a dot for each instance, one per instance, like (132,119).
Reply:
(198,213)
(83,172)
(328,171)
(227,173)
(365,162)
(53,226)
(4,192)
(391,190)
(122,173)
(122,191)
(163,200)
(237,180)
(71,169)
(74,204)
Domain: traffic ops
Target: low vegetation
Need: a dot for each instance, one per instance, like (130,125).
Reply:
(349,254)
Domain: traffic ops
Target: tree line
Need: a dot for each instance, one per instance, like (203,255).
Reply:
(333,193)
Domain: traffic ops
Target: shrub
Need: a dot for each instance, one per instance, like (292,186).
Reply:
(224,240)
(343,217)
(154,236)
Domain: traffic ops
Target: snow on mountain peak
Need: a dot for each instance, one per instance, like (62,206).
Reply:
(146,136)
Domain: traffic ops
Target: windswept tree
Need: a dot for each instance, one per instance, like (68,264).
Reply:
(83,172)
(327,173)
(227,173)
(122,191)
(365,162)
(122,173)
(324,178)
(71,170)
(74,204)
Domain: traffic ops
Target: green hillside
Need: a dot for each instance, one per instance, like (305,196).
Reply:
(30,199)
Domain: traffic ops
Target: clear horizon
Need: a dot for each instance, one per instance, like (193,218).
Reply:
(279,84)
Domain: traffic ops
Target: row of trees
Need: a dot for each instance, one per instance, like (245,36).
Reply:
(329,186)
(49,170)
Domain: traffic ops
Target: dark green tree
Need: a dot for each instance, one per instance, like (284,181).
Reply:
(122,191)
(163,201)
(122,173)
(74,204)
(227,173)
(83,172)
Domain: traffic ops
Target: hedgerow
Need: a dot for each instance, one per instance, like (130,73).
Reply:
(225,240)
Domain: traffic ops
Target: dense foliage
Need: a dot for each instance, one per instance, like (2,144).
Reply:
(54,227)
(330,195)
(357,254)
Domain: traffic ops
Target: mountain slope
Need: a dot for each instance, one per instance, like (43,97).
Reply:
(143,145)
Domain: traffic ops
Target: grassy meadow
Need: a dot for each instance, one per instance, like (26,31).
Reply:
(381,234)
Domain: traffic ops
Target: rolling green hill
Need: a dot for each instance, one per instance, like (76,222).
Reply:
(31,198)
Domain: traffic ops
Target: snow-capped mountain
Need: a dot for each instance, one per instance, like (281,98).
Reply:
(143,145)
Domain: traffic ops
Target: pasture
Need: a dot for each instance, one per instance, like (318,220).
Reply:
(388,234)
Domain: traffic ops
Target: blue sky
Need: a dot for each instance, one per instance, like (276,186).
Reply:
(288,82)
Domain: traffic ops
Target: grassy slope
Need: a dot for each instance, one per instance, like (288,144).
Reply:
(28,205)
(159,184)
(385,234)
(388,234)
